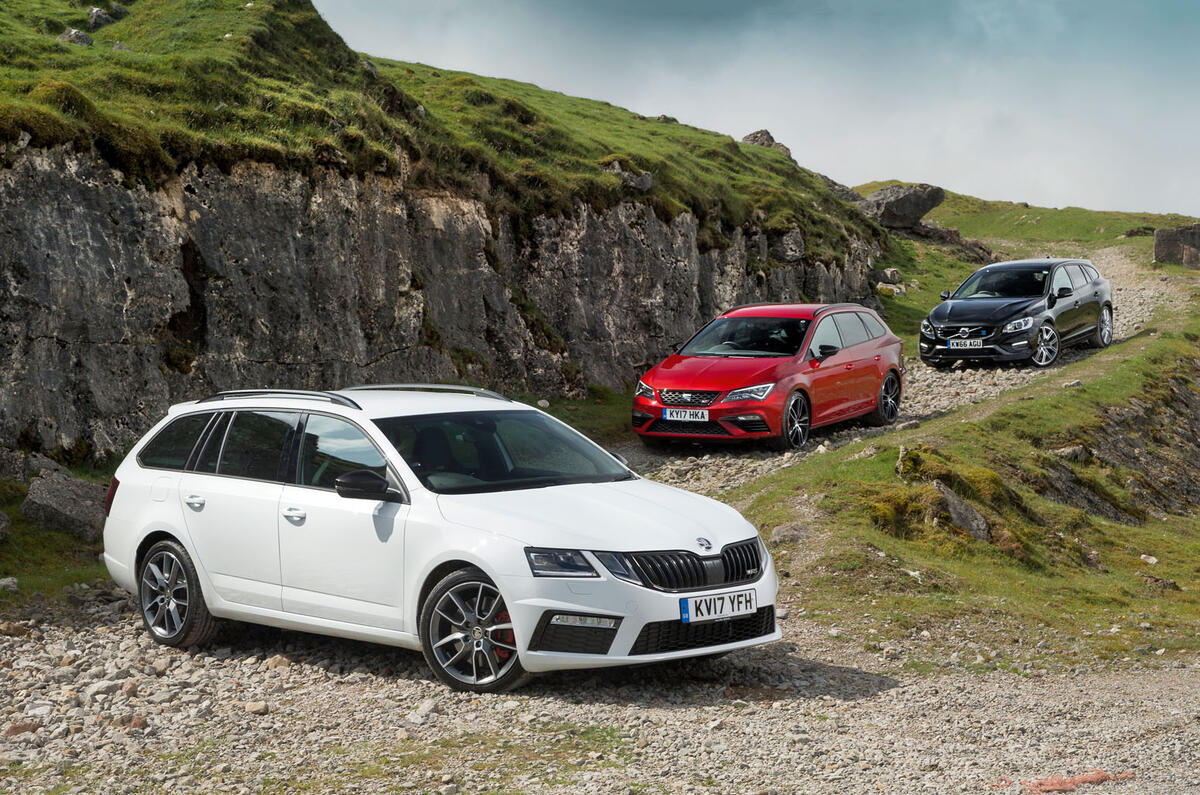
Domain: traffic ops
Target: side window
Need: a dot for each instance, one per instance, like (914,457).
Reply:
(1078,278)
(333,447)
(172,446)
(1091,273)
(254,444)
(1061,279)
(851,328)
(826,333)
(212,447)
(874,328)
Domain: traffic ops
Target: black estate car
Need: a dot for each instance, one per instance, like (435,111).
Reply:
(1019,311)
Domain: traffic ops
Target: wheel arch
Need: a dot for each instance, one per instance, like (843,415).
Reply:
(150,540)
(440,572)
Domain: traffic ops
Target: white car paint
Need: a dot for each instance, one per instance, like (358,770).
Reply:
(306,559)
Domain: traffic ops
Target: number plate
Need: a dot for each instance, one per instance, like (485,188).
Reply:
(964,344)
(687,415)
(697,609)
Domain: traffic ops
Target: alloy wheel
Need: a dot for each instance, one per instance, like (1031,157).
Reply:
(471,633)
(1047,346)
(796,420)
(165,594)
(1106,326)
(889,399)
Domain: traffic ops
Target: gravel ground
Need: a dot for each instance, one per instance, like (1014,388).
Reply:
(90,704)
(713,469)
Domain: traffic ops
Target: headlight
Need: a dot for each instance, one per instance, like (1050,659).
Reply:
(644,390)
(618,566)
(558,563)
(1024,324)
(926,327)
(758,392)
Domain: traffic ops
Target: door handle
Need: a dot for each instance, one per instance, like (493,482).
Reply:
(194,501)
(295,515)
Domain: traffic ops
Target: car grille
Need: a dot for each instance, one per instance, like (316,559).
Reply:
(686,397)
(680,428)
(685,571)
(957,332)
(659,637)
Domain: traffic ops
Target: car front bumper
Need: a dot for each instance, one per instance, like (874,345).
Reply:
(1012,347)
(650,628)
(727,421)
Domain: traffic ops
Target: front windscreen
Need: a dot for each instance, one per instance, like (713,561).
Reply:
(1005,283)
(469,452)
(748,336)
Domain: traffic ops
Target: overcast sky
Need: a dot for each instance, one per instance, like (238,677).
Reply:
(1093,103)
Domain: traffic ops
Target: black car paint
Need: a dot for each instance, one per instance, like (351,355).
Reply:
(1074,315)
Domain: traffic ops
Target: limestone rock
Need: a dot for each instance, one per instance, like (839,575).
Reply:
(1179,246)
(764,138)
(73,36)
(60,502)
(637,180)
(9,585)
(789,247)
(98,18)
(962,514)
(902,206)
(257,707)
(4,523)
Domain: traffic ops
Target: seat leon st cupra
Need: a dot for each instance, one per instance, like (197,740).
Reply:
(483,532)
(1023,311)
(772,372)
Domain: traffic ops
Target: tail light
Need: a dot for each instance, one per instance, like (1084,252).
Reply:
(112,492)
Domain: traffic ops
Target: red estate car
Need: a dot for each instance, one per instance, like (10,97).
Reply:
(772,372)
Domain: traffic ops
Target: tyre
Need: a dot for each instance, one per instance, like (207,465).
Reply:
(172,604)
(1103,334)
(467,636)
(887,406)
(797,421)
(1047,347)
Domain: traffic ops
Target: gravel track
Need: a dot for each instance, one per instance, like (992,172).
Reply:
(89,703)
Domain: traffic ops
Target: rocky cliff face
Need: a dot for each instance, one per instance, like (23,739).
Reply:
(117,301)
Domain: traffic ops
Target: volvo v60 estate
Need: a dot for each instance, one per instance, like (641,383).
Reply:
(772,372)
(1023,311)
(483,532)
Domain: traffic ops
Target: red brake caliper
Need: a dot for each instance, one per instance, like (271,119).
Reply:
(504,635)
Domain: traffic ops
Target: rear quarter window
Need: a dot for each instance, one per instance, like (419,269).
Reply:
(851,328)
(172,446)
(874,328)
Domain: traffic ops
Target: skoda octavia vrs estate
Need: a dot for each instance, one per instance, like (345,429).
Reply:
(1025,311)
(483,532)
(773,372)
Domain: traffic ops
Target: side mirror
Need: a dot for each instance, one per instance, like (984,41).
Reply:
(825,351)
(362,484)
(944,295)
(1064,292)
(624,461)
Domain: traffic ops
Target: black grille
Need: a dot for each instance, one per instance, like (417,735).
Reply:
(639,419)
(753,425)
(660,637)
(686,397)
(685,571)
(573,639)
(688,428)
(956,332)
(742,561)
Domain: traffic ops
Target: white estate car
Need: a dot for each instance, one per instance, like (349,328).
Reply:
(485,533)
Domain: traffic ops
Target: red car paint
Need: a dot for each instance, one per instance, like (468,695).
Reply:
(841,386)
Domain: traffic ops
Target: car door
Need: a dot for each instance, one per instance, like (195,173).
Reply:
(231,505)
(1087,297)
(826,390)
(861,371)
(1066,308)
(341,558)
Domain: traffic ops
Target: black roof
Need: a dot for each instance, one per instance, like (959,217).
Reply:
(1023,264)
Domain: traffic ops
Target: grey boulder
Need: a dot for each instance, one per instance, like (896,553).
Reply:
(1179,246)
(61,502)
(962,515)
(98,18)
(3,525)
(73,36)
(764,138)
(902,206)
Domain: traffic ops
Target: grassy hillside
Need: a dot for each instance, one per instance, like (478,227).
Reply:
(1018,221)
(220,81)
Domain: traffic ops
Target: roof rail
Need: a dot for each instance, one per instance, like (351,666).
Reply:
(827,307)
(303,394)
(467,390)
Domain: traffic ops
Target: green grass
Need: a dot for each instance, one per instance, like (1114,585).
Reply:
(43,561)
(1032,581)
(215,82)
(933,270)
(1017,221)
